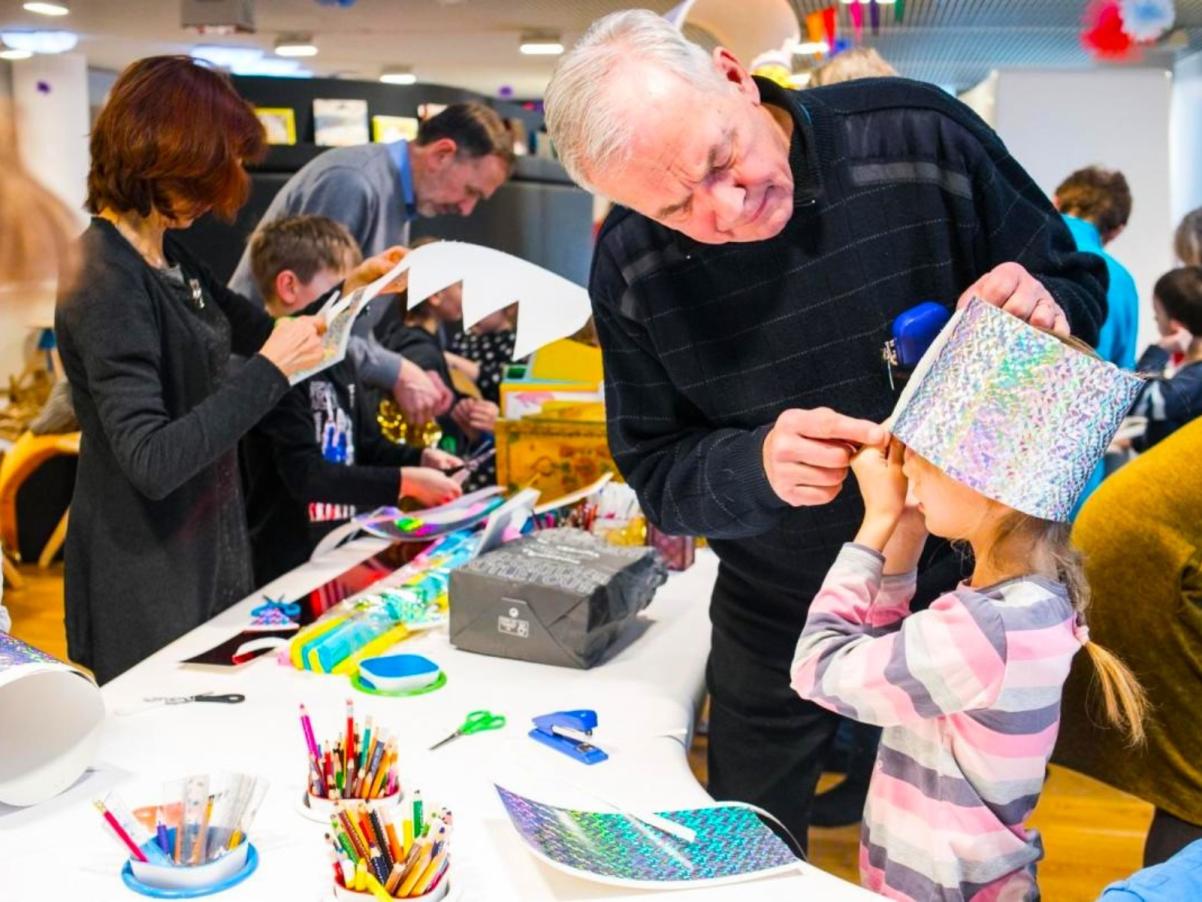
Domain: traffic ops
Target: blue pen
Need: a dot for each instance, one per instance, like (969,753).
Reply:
(164,841)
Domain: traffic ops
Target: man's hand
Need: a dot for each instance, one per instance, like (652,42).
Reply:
(808,452)
(1016,291)
(475,416)
(420,397)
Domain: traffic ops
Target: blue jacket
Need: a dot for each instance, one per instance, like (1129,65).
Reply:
(1116,341)
(1175,880)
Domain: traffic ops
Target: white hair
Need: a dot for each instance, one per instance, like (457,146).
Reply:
(588,129)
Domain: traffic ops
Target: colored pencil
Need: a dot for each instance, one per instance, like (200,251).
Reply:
(125,838)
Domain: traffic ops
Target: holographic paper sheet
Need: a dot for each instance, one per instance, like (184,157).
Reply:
(1012,411)
(732,845)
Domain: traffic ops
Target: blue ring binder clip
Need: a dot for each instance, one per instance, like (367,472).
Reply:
(569,732)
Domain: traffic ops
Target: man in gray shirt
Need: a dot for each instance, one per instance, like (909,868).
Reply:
(461,156)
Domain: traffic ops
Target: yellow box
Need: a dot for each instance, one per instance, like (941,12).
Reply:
(554,455)
(566,361)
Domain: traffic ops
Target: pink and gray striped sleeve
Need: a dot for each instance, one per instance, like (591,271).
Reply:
(864,655)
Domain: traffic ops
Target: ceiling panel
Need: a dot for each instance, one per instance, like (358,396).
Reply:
(473,43)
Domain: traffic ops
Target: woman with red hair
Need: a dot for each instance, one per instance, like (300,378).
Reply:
(157,542)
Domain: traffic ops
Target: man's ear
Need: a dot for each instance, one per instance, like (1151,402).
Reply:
(732,70)
(442,151)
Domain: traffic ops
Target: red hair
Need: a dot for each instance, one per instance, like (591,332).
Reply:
(173,137)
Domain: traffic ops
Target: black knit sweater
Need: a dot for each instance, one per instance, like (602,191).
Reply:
(901,195)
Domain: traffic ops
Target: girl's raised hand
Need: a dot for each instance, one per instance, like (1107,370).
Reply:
(883,485)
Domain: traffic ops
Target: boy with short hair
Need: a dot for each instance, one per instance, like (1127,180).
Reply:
(312,461)
(1171,401)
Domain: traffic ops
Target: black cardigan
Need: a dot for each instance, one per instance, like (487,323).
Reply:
(157,541)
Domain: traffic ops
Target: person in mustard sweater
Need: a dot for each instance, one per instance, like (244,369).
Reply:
(1141,535)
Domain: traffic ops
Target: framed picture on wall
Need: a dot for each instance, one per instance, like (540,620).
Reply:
(386,129)
(279,122)
(339,123)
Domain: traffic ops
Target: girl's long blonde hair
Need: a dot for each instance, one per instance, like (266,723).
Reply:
(1124,702)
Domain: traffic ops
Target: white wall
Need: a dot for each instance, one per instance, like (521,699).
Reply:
(1185,136)
(1055,122)
(50,98)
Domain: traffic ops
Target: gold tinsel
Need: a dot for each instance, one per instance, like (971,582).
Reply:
(394,428)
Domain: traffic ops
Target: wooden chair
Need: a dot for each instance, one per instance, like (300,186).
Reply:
(25,456)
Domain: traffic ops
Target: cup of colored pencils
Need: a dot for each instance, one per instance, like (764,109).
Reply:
(401,855)
(195,838)
(359,764)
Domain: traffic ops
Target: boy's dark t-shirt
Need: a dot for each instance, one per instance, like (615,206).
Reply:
(1168,403)
(309,465)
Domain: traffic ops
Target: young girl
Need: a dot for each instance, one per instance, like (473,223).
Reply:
(968,691)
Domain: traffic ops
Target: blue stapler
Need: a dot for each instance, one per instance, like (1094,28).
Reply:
(569,732)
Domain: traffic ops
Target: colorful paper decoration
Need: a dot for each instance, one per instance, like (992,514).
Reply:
(815,27)
(830,22)
(874,16)
(1012,411)
(856,11)
(731,845)
(1146,20)
(899,10)
(1104,35)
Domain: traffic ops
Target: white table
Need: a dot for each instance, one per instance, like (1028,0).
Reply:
(645,697)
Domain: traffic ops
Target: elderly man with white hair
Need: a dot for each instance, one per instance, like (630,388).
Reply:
(763,244)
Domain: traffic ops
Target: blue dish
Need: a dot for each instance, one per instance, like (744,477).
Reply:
(252,863)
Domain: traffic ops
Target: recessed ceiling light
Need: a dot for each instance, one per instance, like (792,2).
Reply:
(47,9)
(295,45)
(9,53)
(541,44)
(40,41)
(398,75)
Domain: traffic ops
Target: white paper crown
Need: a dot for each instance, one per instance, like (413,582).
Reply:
(1012,411)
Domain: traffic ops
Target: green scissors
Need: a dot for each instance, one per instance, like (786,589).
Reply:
(476,722)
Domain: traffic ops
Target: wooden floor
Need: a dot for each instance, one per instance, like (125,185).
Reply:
(1092,834)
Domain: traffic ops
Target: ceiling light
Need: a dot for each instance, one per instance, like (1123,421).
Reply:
(40,41)
(295,45)
(9,53)
(541,44)
(398,75)
(811,47)
(249,61)
(47,9)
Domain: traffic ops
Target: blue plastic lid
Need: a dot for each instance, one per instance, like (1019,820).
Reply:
(391,667)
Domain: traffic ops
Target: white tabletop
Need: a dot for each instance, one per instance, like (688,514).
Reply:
(645,696)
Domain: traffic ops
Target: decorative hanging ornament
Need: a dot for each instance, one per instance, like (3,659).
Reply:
(1146,20)
(899,10)
(815,27)
(1104,35)
(830,23)
(856,11)
(874,16)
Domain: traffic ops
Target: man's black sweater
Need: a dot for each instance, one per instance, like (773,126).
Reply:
(901,195)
